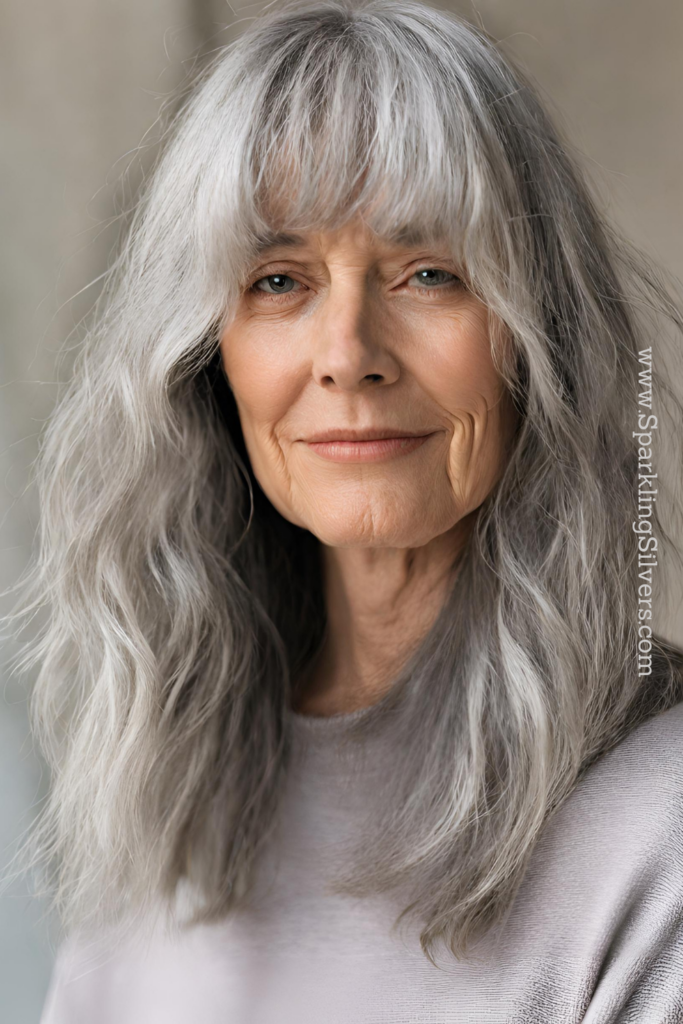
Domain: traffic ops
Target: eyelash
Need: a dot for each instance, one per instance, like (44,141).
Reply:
(272,296)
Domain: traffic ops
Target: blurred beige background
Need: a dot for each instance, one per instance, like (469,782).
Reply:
(83,84)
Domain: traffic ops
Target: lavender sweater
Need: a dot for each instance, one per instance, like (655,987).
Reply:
(595,934)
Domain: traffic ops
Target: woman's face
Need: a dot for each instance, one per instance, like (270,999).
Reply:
(341,338)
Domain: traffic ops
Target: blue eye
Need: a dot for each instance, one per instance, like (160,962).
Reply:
(278,284)
(432,276)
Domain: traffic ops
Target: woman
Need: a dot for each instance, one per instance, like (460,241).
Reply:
(342,545)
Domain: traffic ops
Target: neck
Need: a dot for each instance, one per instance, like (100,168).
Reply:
(380,604)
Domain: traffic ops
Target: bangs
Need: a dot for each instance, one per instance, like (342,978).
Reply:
(356,123)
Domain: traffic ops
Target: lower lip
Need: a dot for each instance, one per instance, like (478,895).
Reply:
(367,451)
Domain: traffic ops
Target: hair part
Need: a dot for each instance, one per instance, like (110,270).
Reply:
(182,608)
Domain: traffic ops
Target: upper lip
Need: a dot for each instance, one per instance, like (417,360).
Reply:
(369,434)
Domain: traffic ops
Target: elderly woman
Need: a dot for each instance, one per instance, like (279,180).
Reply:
(349,684)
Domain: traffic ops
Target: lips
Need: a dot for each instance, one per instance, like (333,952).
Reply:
(370,445)
(369,434)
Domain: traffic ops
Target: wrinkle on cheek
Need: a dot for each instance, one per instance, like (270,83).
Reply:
(473,459)
(268,459)
(501,395)
(473,321)
(272,443)
(460,455)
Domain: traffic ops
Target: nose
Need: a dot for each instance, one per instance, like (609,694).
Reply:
(352,348)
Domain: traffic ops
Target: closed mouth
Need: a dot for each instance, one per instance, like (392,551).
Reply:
(381,434)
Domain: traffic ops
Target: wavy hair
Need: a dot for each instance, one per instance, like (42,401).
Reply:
(182,609)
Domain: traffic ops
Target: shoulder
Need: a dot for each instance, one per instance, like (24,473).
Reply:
(98,973)
(614,846)
(628,805)
(604,891)
(661,734)
(652,753)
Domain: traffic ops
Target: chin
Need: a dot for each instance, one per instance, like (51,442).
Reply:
(373,527)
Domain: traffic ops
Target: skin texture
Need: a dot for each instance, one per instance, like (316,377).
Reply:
(358,336)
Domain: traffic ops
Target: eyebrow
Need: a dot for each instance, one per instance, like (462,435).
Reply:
(408,236)
(277,240)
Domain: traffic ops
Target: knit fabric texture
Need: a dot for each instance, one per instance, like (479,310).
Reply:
(595,934)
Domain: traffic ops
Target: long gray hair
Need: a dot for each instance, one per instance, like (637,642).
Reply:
(182,609)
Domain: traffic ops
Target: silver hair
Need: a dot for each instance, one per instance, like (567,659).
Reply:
(182,609)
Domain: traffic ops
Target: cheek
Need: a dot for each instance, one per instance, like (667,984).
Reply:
(266,383)
(266,379)
(460,376)
(461,369)
(476,454)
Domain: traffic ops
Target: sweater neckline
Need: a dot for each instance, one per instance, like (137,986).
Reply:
(327,738)
(326,723)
